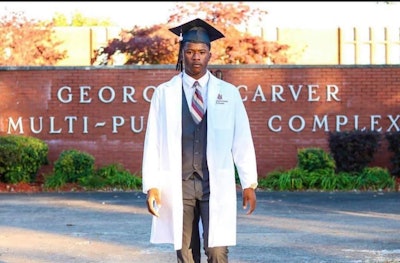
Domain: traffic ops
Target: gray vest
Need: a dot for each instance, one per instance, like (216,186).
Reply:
(194,144)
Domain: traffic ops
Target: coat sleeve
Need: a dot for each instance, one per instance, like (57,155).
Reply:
(151,151)
(243,148)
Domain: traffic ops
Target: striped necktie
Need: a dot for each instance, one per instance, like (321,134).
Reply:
(197,104)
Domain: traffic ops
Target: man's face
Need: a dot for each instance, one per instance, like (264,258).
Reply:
(196,57)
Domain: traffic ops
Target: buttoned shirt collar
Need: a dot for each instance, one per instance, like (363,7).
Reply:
(188,81)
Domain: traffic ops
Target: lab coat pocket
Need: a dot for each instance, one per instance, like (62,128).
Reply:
(224,178)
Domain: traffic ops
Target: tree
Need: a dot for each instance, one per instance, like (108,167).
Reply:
(78,19)
(157,45)
(238,46)
(139,46)
(27,42)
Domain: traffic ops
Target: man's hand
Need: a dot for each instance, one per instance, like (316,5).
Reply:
(249,198)
(153,201)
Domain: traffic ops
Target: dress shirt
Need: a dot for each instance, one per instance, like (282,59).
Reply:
(189,90)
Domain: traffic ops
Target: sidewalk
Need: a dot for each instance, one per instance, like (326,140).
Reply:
(287,227)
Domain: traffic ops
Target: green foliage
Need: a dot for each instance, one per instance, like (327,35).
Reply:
(78,167)
(114,176)
(237,178)
(78,19)
(21,157)
(371,179)
(311,159)
(271,181)
(293,179)
(375,178)
(317,172)
(74,164)
(320,178)
(341,181)
(54,181)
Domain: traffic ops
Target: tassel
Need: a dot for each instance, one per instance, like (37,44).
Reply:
(179,64)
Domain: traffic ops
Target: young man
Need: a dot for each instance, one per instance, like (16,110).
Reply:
(189,159)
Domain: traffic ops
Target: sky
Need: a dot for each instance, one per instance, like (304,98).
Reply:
(281,14)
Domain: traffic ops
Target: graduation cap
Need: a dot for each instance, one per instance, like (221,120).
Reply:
(197,31)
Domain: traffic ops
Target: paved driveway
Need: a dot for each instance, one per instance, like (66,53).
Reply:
(286,227)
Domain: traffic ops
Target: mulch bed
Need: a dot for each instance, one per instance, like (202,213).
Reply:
(36,188)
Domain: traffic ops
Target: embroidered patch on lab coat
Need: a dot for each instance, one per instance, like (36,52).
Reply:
(220,100)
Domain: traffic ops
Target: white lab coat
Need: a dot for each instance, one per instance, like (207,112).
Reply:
(229,139)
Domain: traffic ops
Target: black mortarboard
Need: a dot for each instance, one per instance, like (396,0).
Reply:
(196,30)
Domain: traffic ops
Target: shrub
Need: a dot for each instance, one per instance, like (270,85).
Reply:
(375,178)
(21,157)
(113,175)
(393,139)
(294,179)
(315,170)
(74,164)
(353,150)
(271,181)
(69,167)
(78,167)
(313,159)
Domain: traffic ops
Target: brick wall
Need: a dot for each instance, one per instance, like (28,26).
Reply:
(103,111)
